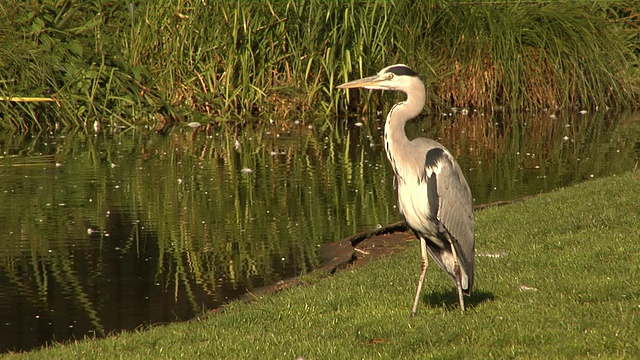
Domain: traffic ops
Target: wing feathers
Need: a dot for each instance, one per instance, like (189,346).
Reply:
(450,200)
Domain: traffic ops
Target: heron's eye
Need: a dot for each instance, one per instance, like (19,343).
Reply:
(390,76)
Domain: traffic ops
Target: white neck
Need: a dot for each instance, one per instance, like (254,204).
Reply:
(394,136)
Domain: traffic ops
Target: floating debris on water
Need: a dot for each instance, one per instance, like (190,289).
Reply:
(194,124)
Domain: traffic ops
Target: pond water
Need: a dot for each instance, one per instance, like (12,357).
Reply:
(118,229)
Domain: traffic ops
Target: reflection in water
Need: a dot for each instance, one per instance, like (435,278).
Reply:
(110,231)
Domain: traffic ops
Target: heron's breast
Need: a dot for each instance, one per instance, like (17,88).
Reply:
(413,204)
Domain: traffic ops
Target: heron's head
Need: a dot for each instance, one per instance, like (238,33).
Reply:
(395,77)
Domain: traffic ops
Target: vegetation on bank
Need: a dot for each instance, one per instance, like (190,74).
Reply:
(72,63)
(555,280)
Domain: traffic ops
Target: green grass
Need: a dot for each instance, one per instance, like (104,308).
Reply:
(242,61)
(565,287)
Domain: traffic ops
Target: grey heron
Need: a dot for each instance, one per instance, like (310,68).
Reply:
(433,195)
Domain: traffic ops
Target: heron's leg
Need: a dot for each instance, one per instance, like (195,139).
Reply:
(458,277)
(423,271)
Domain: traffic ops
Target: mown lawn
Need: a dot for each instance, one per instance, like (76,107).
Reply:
(558,276)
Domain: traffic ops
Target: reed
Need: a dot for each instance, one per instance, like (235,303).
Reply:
(122,64)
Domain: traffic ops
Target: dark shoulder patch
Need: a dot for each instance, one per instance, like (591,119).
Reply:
(434,156)
(432,196)
(401,70)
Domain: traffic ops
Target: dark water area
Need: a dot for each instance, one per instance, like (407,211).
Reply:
(119,229)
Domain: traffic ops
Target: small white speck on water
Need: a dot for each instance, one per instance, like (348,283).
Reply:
(565,138)
(246,171)
(582,112)
(194,124)
(358,124)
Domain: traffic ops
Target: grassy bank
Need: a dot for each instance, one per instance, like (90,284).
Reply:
(556,278)
(65,63)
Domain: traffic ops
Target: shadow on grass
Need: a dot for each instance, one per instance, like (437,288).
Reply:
(449,299)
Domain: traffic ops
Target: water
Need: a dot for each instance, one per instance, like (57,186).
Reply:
(119,229)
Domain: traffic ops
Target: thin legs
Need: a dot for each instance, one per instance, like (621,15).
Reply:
(423,271)
(458,277)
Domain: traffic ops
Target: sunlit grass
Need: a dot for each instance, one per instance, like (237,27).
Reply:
(555,278)
(220,60)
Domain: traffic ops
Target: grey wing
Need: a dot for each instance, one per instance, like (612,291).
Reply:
(453,204)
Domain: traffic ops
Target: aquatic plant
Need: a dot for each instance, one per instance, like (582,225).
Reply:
(64,63)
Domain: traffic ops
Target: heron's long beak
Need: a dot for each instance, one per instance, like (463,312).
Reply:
(371,81)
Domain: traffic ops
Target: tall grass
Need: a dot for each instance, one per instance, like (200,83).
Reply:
(221,60)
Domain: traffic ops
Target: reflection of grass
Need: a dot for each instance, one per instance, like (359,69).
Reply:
(510,156)
(562,289)
(241,225)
